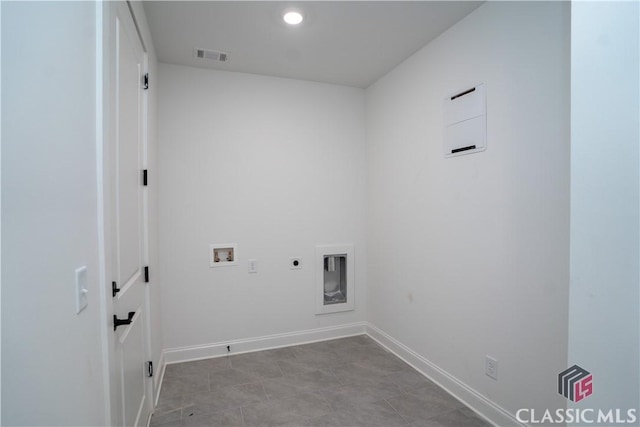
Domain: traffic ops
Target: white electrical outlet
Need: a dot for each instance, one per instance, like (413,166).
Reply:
(253,266)
(491,367)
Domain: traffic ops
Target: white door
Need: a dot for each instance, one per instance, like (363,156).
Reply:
(128,343)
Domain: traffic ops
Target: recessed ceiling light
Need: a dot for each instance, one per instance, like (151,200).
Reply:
(292,17)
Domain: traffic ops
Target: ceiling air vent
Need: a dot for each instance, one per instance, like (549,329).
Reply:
(212,55)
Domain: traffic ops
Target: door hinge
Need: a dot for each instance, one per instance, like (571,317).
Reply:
(144,177)
(114,289)
(146,81)
(149,368)
(146,274)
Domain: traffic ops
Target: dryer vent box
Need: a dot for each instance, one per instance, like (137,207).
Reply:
(465,122)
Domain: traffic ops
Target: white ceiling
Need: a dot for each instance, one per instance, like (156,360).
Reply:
(340,42)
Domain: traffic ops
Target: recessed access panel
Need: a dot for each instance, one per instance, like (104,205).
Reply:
(334,279)
(465,121)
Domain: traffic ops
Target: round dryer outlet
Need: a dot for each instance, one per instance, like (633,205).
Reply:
(295,263)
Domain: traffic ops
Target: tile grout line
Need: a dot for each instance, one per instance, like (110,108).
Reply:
(242,417)
(340,383)
(266,395)
(279,368)
(396,411)
(333,409)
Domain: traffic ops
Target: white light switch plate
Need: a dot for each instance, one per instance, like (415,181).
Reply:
(81,289)
(253,266)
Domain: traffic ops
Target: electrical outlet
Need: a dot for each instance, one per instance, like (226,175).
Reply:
(253,266)
(491,367)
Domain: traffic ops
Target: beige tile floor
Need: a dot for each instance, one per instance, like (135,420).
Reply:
(346,382)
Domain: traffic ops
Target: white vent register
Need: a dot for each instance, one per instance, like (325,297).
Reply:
(465,122)
(212,55)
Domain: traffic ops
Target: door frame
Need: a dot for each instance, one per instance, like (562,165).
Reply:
(105,134)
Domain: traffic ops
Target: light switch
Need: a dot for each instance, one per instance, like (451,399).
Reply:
(81,289)
(253,266)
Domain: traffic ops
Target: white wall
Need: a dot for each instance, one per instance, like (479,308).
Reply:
(274,165)
(51,356)
(469,256)
(603,327)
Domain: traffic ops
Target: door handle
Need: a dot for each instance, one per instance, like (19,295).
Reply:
(120,322)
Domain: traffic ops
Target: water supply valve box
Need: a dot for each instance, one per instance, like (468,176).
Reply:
(223,254)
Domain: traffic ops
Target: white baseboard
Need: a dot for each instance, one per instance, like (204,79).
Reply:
(474,400)
(185,354)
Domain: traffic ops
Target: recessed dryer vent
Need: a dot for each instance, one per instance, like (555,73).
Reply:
(465,122)
(334,279)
